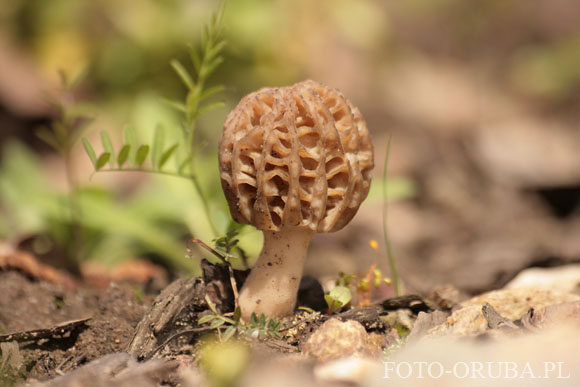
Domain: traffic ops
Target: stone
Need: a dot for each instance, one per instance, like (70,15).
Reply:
(553,315)
(336,339)
(562,278)
(509,303)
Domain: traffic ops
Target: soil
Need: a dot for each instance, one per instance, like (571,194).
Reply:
(124,336)
(27,304)
(122,319)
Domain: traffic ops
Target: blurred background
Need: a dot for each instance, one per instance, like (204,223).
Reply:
(482,100)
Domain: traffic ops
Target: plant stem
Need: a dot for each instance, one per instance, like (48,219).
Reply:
(190,140)
(197,188)
(75,212)
(390,255)
(156,171)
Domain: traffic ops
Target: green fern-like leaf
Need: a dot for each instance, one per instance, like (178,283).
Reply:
(180,107)
(195,59)
(102,160)
(130,138)
(205,319)
(108,147)
(141,155)
(230,331)
(90,152)
(216,323)
(183,74)
(206,108)
(254,319)
(123,155)
(166,155)
(205,62)
(210,91)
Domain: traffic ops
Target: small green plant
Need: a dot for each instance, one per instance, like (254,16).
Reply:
(337,298)
(227,245)
(112,231)
(155,157)
(226,326)
(402,330)
(263,327)
(89,222)
(341,295)
(216,320)
(133,156)
(363,285)
(72,119)
(226,249)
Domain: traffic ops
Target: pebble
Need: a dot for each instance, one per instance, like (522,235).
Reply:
(336,339)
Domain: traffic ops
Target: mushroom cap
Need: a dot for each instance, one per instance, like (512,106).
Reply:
(295,156)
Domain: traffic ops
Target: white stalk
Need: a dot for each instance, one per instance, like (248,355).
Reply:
(272,286)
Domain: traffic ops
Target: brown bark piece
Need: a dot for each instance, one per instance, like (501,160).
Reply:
(30,266)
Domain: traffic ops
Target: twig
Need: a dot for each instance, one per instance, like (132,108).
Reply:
(59,369)
(226,262)
(46,333)
(175,335)
(210,249)
(279,344)
(234,285)
(308,319)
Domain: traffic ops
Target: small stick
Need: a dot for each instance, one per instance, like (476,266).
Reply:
(308,319)
(184,332)
(234,286)
(210,249)
(226,262)
(47,333)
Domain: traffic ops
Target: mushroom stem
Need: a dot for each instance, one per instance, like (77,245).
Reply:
(272,286)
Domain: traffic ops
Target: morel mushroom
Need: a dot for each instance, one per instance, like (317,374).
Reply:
(293,161)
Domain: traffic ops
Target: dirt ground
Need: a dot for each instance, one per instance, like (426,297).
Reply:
(27,304)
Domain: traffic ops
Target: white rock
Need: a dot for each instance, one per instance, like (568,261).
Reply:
(565,279)
(354,370)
